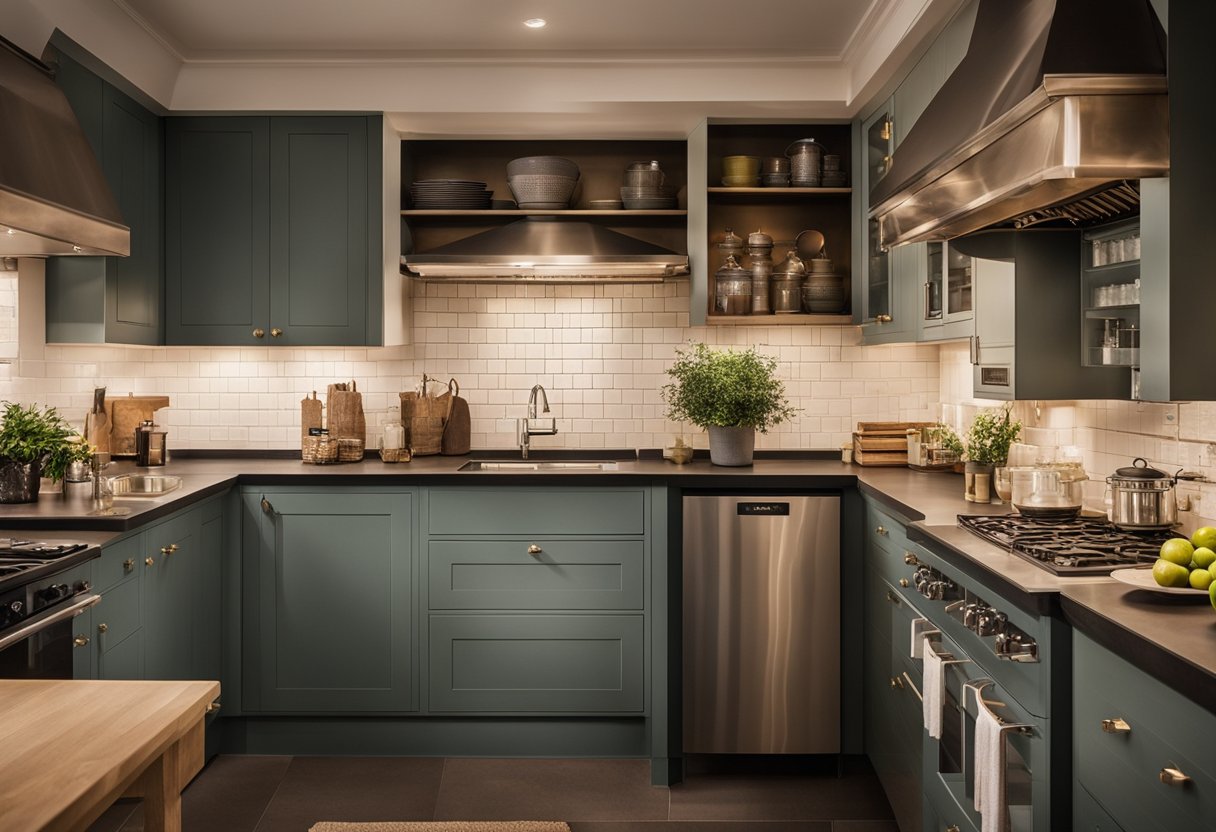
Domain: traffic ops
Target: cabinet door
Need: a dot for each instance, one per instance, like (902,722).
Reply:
(113,299)
(217,230)
(169,587)
(328,616)
(207,615)
(994,304)
(123,661)
(83,651)
(878,134)
(319,231)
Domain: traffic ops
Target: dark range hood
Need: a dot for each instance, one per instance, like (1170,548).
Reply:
(550,250)
(53,196)
(1056,102)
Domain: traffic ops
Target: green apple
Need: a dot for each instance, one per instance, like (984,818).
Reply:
(1212,594)
(1166,573)
(1177,550)
(1201,578)
(1204,537)
(1204,557)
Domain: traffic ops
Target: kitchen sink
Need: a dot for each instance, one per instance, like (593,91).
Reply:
(144,485)
(525,465)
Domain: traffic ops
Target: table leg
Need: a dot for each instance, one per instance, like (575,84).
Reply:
(161,790)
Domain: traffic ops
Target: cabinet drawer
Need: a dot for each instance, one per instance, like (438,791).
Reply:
(564,574)
(1088,815)
(884,529)
(1121,770)
(536,663)
(117,562)
(117,615)
(537,511)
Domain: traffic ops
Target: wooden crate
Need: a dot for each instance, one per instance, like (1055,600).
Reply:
(883,443)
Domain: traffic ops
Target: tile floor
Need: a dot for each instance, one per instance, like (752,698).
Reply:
(289,794)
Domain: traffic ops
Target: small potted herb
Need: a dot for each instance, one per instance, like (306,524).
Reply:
(731,393)
(34,443)
(988,443)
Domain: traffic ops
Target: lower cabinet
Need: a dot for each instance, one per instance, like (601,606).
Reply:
(1142,752)
(327,613)
(536,663)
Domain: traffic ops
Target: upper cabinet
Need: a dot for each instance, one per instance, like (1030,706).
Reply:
(718,201)
(273,232)
(113,299)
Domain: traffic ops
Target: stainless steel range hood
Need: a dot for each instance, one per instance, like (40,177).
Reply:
(53,196)
(1055,101)
(548,249)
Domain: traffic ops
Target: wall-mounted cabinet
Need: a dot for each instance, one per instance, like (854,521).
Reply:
(780,212)
(947,301)
(99,300)
(1110,296)
(601,168)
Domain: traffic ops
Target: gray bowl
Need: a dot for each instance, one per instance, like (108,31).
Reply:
(542,166)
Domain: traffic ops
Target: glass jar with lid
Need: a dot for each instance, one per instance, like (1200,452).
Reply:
(732,289)
(786,288)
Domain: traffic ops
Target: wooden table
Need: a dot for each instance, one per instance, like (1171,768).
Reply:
(68,749)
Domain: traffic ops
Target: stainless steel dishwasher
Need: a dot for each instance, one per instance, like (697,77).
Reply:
(762,625)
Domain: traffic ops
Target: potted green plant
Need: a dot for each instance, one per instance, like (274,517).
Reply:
(988,442)
(33,444)
(730,393)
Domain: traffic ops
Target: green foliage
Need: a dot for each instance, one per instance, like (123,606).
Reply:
(725,388)
(29,435)
(945,436)
(990,436)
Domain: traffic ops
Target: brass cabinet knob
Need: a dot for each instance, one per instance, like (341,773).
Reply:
(168,550)
(103,627)
(213,707)
(892,597)
(259,333)
(534,549)
(128,564)
(275,332)
(903,582)
(952,828)
(1116,726)
(1172,776)
(150,561)
(81,641)
(897,683)
(883,319)
(880,530)
(910,559)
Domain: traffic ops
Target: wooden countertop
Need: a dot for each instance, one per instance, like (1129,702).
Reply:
(68,749)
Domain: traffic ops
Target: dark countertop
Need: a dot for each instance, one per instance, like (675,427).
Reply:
(1174,640)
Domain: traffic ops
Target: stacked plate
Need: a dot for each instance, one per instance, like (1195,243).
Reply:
(450,194)
(833,175)
(644,189)
(542,181)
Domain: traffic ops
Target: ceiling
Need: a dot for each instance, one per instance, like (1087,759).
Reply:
(217,29)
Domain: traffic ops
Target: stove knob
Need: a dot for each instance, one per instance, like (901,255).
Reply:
(53,593)
(11,612)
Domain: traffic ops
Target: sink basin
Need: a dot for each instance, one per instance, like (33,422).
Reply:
(144,485)
(526,465)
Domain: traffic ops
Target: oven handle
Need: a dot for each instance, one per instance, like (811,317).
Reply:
(45,620)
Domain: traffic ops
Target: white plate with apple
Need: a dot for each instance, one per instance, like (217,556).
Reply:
(1142,578)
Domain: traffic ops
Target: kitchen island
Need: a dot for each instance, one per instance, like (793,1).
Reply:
(71,748)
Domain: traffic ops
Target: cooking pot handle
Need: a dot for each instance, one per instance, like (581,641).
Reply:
(1140,462)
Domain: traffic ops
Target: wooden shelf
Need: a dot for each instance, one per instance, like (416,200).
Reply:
(779,192)
(528,212)
(792,319)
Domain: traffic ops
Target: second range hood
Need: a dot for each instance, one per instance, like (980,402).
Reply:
(550,250)
(1055,101)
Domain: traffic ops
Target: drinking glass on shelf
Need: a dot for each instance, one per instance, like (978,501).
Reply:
(1098,256)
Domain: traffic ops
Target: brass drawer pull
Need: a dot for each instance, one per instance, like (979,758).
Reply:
(534,549)
(903,582)
(149,561)
(1116,726)
(880,530)
(128,564)
(103,627)
(952,828)
(80,641)
(897,683)
(910,559)
(275,332)
(259,333)
(892,597)
(213,707)
(1172,776)
(168,550)
(883,319)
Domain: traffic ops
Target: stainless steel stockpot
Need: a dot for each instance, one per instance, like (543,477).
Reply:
(1142,497)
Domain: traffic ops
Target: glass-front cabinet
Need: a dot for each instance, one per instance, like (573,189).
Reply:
(874,304)
(946,306)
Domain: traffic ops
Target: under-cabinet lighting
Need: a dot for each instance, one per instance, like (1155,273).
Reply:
(535,22)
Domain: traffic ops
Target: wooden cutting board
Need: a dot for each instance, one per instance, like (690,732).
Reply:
(125,413)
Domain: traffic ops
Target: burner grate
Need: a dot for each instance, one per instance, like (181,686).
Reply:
(1075,546)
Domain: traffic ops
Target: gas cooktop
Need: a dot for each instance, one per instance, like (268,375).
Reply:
(25,560)
(1073,546)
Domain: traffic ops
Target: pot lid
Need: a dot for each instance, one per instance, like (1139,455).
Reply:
(731,269)
(791,266)
(1140,470)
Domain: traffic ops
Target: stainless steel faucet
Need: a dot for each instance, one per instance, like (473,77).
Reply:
(526,429)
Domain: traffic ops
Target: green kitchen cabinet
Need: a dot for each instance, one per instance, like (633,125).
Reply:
(273,232)
(170,568)
(113,299)
(327,599)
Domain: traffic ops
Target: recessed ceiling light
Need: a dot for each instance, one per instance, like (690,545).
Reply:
(535,22)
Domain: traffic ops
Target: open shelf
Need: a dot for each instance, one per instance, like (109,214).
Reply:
(530,212)
(778,192)
(790,319)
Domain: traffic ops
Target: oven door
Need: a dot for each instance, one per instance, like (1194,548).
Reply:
(40,647)
(955,757)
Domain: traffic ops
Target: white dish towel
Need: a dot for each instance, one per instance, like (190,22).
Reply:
(989,769)
(934,689)
(919,626)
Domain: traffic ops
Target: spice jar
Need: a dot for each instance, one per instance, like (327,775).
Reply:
(733,289)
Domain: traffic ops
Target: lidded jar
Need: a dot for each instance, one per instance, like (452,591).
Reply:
(732,289)
(731,245)
(786,288)
(806,156)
